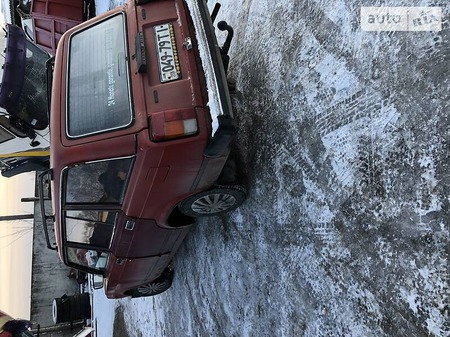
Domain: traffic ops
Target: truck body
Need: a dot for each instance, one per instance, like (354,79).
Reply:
(141,129)
(52,18)
(24,123)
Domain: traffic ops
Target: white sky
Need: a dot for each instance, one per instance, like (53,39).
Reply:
(16,240)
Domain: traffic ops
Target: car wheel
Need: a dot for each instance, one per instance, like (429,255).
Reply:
(151,289)
(215,201)
(158,286)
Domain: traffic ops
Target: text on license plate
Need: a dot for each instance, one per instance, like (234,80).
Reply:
(169,65)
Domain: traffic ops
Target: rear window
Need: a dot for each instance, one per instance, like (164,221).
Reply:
(98,90)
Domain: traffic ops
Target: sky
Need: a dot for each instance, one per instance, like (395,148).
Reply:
(15,242)
(16,239)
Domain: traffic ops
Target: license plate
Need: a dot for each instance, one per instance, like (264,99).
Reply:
(169,65)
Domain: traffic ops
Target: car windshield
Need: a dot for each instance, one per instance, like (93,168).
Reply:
(101,182)
(88,235)
(98,97)
(81,228)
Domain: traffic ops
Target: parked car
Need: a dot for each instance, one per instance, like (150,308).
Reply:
(141,131)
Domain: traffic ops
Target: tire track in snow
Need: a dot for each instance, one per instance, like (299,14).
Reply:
(365,151)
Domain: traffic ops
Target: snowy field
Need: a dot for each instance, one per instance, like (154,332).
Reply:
(344,139)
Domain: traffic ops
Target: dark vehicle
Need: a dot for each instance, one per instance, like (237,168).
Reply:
(141,129)
(24,132)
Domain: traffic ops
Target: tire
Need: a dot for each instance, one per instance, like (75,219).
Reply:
(156,287)
(215,201)
(57,311)
(151,289)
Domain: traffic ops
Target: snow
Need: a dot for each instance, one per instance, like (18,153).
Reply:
(104,313)
(344,142)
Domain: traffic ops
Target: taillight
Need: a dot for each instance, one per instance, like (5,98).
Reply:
(173,124)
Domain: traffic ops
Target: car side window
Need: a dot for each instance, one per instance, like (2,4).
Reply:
(90,258)
(97,182)
(92,196)
(94,228)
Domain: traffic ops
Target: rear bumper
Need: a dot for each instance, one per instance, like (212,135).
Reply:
(219,103)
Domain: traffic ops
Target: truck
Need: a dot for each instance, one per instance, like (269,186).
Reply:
(24,105)
(141,131)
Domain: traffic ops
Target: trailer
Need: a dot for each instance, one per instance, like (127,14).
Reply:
(51,18)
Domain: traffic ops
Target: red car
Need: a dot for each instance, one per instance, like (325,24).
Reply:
(141,130)
(10,327)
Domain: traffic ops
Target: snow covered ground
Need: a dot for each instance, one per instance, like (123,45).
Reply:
(345,144)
